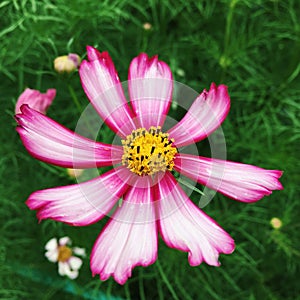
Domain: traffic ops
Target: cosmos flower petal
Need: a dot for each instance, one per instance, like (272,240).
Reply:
(204,116)
(51,244)
(130,237)
(238,181)
(102,86)
(84,203)
(150,88)
(36,100)
(75,262)
(50,142)
(185,227)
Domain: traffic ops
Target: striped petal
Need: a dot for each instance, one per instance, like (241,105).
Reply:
(102,86)
(204,116)
(238,181)
(50,142)
(150,88)
(130,237)
(81,204)
(185,227)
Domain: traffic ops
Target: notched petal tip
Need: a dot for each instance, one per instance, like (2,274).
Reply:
(93,53)
(185,227)
(18,119)
(204,116)
(241,182)
(277,184)
(24,108)
(144,66)
(103,57)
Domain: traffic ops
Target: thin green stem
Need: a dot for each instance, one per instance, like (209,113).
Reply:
(141,285)
(74,98)
(159,289)
(127,291)
(80,109)
(187,184)
(166,281)
(224,59)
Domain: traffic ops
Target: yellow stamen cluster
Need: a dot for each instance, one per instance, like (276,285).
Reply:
(148,151)
(64,253)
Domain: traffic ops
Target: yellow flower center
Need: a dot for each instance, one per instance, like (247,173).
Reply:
(148,151)
(64,253)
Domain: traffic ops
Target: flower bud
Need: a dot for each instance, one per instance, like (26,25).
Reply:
(180,72)
(67,63)
(276,223)
(147,26)
(74,173)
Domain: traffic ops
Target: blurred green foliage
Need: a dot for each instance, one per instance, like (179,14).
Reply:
(252,46)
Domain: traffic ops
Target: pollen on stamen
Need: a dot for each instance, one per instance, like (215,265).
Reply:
(64,253)
(148,151)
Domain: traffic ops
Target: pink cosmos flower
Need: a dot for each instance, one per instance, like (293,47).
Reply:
(36,100)
(152,200)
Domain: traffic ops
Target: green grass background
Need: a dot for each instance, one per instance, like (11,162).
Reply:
(252,46)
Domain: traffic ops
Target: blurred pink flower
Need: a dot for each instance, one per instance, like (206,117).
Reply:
(36,100)
(152,200)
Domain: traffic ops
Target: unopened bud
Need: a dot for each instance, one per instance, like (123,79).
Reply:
(276,223)
(67,63)
(147,26)
(74,173)
(180,72)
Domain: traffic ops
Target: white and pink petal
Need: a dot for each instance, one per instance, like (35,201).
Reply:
(52,255)
(205,115)
(36,100)
(64,269)
(84,203)
(150,87)
(242,182)
(75,263)
(185,227)
(65,240)
(129,238)
(51,244)
(79,251)
(102,86)
(51,142)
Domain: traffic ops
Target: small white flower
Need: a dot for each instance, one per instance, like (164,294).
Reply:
(61,252)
